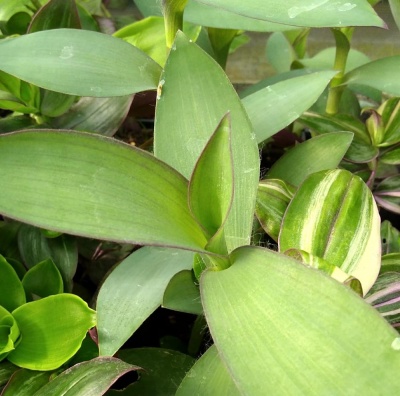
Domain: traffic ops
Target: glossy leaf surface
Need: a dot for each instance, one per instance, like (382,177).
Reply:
(133,291)
(26,383)
(94,186)
(311,13)
(316,154)
(334,216)
(187,124)
(268,108)
(52,330)
(69,61)
(12,292)
(88,378)
(285,319)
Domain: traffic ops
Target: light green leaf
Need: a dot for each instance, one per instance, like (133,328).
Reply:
(316,154)
(94,186)
(395,8)
(52,330)
(269,314)
(12,292)
(163,370)
(311,13)
(208,376)
(54,104)
(42,280)
(334,216)
(268,108)
(133,291)
(183,127)
(9,333)
(382,74)
(182,294)
(79,62)
(26,383)
(88,378)
(280,53)
(390,238)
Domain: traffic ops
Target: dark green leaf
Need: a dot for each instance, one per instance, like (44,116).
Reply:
(12,293)
(26,383)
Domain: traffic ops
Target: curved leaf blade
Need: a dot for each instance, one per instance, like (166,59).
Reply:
(299,326)
(90,185)
(12,292)
(79,62)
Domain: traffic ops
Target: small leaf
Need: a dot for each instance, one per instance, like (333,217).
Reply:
(182,294)
(334,216)
(208,376)
(9,333)
(391,157)
(52,330)
(88,378)
(12,292)
(320,153)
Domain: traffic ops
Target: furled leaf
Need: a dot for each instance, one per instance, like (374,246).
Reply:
(333,216)
(311,13)
(133,291)
(182,294)
(382,74)
(9,333)
(52,330)
(94,186)
(183,127)
(163,370)
(88,378)
(208,376)
(79,62)
(320,153)
(26,382)
(287,326)
(12,293)
(268,108)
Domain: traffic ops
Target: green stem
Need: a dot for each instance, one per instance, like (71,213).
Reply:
(342,38)
(173,19)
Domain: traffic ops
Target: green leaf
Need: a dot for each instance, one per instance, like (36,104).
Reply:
(9,333)
(320,153)
(6,370)
(334,216)
(268,107)
(311,13)
(183,127)
(70,61)
(88,378)
(182,294)
(395,8)
(390,238)
(269,314)
(212,180)
(163,370)
(52,330)
(208,376)
(387,193)
(94,186)
(123,306)
(99,115)
(42,280)
(26,383)
(273,198)
(280,53)
(12,292)
(382,74)
(15,16)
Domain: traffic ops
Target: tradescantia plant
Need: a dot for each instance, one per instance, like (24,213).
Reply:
(286,320)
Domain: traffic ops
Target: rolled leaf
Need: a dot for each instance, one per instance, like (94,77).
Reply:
(334,216)
(390,237)
(9,333)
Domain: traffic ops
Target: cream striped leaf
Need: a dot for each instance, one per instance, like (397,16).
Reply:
(334,216)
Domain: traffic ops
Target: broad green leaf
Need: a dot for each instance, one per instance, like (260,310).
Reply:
(182,294)
(56,14)
(275,322)
(390,238)
(208,376)
(308,13)
(99,115)
(26,383)
(320,153)
(133,291)
(382,74)
(183,127)
(94,186)
(395,8)
(79,62)
(42,280)
(88,378)
(334,216)
(273,198)
(280,53)
(212,180)
(268,108)
(163,370)
(52,330)
(12,292)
